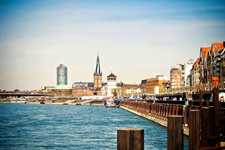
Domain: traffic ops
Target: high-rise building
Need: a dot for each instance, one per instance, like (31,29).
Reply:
(97,76)
(61,75)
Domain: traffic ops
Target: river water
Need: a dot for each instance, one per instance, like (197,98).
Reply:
(72,127)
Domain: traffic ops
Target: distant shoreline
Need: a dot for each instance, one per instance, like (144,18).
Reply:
(53,103)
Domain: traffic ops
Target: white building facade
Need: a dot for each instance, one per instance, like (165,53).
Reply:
(110,88)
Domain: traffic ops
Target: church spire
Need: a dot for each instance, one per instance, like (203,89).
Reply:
(97,75)
(97,68)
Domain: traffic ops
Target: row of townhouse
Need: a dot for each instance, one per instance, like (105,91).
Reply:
(211,63)
(188,76)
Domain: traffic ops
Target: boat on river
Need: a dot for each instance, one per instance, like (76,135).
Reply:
(111,103)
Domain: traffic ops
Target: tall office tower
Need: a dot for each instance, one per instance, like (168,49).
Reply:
(61,75)
(97,76)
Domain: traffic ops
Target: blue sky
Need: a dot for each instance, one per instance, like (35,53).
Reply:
(135,39)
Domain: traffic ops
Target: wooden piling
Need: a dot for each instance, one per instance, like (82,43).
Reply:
(130,139)
(175,133)
(194,129)
(212,120)
(212,126)
(205,126)
(216,104)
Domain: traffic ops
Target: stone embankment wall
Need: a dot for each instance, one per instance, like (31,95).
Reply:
(157,113)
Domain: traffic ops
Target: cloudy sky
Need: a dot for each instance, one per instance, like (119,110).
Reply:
(135,39)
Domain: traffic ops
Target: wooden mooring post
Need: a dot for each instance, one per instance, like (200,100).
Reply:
(175,139)
(205,126)
(216,104)
(194,129)
(130,139)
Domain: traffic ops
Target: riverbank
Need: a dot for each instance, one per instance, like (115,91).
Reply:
(159,121)
(56,103)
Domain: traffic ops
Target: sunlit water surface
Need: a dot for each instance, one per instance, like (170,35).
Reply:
(72,127)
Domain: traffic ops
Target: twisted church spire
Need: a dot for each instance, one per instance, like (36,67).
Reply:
(97,68)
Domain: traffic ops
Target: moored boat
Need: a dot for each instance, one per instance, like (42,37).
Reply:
(111,103)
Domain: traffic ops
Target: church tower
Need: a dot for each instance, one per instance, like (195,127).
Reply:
(97,76)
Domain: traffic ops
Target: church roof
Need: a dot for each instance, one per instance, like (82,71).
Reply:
(111,75)
(90,84)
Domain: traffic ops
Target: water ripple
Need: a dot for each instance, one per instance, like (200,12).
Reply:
(71,127)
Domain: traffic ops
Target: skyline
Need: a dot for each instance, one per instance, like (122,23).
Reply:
(135,40)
